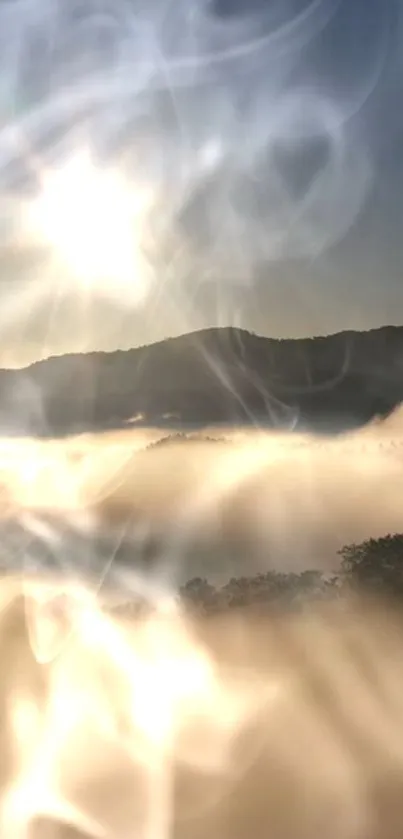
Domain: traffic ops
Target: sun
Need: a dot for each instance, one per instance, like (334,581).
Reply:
(95,225)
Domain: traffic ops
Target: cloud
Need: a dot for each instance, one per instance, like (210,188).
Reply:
(263,501)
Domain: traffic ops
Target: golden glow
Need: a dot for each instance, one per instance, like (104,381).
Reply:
(95,223)
(102,715)
(124,695)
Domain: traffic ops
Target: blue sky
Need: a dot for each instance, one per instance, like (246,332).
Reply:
(270,132)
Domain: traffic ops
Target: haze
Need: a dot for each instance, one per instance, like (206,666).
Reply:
(218,509)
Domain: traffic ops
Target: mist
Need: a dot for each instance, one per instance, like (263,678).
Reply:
(111,505)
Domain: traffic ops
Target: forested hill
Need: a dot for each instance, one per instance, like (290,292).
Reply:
(218,375)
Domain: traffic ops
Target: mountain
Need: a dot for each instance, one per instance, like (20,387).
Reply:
(213,376)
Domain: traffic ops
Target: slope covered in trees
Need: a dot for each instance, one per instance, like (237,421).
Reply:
(218,375)
(374,567)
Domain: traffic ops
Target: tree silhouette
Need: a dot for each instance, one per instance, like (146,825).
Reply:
(199,592)
(376,564)
(270,590)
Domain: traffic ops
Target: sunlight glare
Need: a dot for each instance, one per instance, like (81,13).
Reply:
(95,224)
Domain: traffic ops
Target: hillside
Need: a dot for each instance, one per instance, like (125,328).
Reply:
(218,375)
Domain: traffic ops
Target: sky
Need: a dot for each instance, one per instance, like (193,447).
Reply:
(167,165)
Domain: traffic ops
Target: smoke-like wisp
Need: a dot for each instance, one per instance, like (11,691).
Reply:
(103,507)
(163,726)
(242,164)
(99,100)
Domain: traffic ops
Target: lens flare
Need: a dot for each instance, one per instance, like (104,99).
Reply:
(94,223)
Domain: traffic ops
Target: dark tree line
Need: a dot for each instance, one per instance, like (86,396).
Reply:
(374,566)
(271,590)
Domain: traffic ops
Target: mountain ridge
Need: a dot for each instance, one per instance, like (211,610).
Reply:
(219,375)
(202,331)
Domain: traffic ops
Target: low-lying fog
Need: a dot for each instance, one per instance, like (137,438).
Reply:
(254,501)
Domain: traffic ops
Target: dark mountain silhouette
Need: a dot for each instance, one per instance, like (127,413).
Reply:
(214,376)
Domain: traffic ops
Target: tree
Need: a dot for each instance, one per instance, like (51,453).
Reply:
(198,592)
(376,564)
